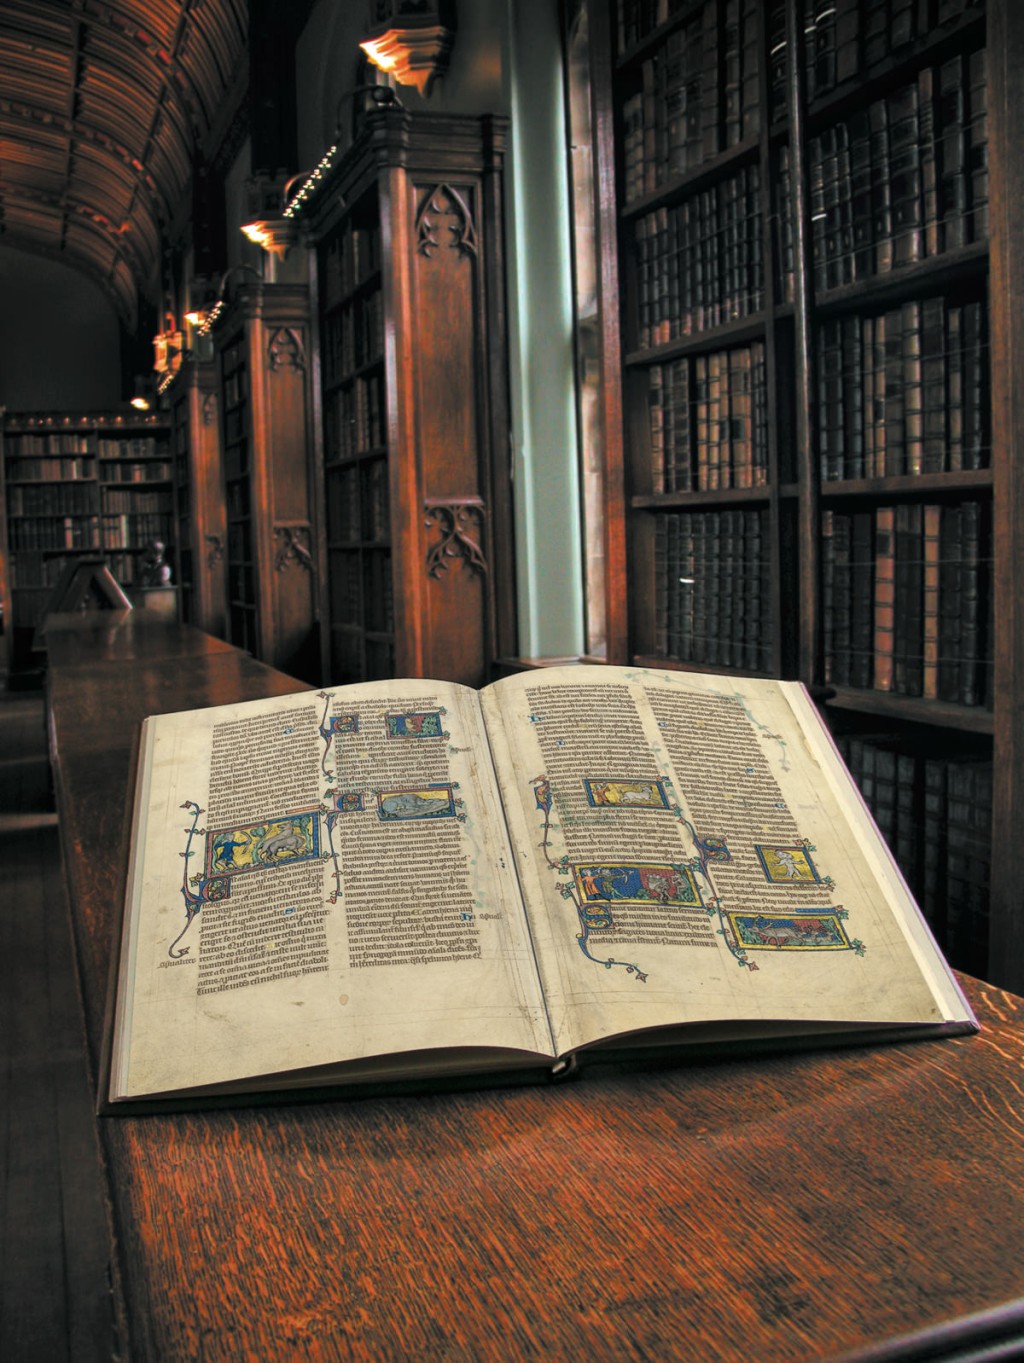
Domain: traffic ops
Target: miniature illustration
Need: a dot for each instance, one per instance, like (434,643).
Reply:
(638,883)
(427,802)
(631,794)
(255,847)
(815,930)
(425,724)
(787,865)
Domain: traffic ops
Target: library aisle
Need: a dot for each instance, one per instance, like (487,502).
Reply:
(55,1300)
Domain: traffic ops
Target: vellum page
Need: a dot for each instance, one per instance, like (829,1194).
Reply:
(692,850)
(318,878)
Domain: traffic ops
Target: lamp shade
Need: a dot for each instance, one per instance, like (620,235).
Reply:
(411,39)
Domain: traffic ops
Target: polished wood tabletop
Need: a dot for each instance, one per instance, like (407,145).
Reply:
(775,1207)
(125,635)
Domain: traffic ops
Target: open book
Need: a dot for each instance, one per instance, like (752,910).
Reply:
(407,880)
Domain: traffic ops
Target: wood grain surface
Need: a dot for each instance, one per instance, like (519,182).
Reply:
(800,1206)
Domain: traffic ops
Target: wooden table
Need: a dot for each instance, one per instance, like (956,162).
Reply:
(809,1206)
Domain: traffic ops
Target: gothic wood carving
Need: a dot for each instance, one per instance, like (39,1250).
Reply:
(445,208)
(293,546)
(460,523)
(286,349)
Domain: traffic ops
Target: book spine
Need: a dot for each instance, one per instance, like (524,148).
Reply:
(847,26)
(976,452)
(952,181)
(906,848)
(741,440)
(905,172)
(970,604)
(701,408)
(842,600)
(913,415)
(885,597)
(950,535)
(933,837)
(933,386)
(929,164)
(828,593)
(862,559)
(881,180)
(955,389)
(870,412)
(853,396)
(976,139)
(656,425)
(930,621)
(759,385)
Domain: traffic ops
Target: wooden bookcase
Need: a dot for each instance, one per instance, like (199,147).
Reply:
(417,554)
(262,344)
(83,483)
(817,415)
(199,506)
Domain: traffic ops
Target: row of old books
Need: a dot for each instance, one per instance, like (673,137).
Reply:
(49,468)
(134,503)
(135,447)
(936,815)
(357,502)
(72,498)
(844,39)
(54,532)
(53,442)
(362,586)
(126,471)
(127,530)
(700,263)
(904,179)
(699,97)
(354,418)
(904,391)
(35,569)
(352,258)
(907,596)
(712,602)
(353,336)
(709,421)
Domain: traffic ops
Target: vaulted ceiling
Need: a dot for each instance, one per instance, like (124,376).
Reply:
(102,103)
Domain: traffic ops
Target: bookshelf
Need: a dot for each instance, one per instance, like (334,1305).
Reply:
(264,383)
(77,484)
(811,388)
(417,555)
(199,505)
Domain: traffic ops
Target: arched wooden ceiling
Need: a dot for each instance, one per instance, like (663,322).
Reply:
(102,103)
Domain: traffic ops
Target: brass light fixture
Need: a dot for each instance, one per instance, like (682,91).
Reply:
(411,39)
(168,348)
(266,223)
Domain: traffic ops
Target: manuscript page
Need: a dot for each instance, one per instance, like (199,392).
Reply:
(692,850)
(315,879)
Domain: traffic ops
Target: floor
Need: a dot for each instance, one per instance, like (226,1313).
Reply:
(55,1299)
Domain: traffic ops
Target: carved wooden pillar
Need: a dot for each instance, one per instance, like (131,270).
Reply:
(263,345)
(199,496)
(408,227)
